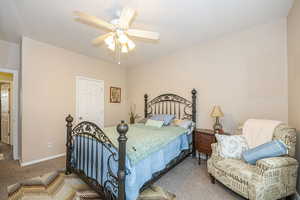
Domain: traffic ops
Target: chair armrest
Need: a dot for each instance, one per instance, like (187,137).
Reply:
(276,162)
(215,156)
(215,150)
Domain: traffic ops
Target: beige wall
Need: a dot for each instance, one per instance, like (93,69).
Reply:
(48,95)
(9,55)
(244,72)
(294,71)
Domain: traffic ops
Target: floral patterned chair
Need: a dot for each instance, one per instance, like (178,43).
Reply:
(270,179)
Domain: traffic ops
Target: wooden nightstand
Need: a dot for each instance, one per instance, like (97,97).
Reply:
(204,138)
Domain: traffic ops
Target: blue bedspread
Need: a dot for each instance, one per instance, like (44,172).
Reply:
(138,173)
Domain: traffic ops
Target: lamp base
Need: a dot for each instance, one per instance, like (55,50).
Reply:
(217,126)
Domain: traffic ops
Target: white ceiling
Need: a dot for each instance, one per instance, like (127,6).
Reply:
(181,23)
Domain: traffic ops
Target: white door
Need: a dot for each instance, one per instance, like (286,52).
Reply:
(5,113)
(90,100)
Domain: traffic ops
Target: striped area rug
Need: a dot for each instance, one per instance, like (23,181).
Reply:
(58,186)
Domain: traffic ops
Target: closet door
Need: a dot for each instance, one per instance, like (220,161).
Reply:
(90,100)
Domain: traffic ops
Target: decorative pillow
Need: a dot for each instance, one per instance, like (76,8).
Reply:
(165,118)
(232,146)
(154,123)
(267,150)
(176,122)
(183,123)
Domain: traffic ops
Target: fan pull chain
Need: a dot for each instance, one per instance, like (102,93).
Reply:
(118,50)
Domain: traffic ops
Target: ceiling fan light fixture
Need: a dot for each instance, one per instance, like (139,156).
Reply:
(118,39)
(124,48)
(109,40)
(112,46)
(130,45)
(123,39)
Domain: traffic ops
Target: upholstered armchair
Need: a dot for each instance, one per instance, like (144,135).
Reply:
(270,179)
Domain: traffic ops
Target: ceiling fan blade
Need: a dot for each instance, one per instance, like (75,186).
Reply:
(126,17)
(143,34)
(93,21)
(101,38)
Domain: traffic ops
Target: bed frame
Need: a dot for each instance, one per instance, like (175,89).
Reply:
(115,184)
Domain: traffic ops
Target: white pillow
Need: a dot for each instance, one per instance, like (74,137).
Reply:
(154,123)
(232,146)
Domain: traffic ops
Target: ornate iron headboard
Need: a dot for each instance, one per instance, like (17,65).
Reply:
(172,104)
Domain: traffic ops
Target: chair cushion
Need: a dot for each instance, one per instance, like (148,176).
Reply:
(231,146)
(267,150)
(236,169)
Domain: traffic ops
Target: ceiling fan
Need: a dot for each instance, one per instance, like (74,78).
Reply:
(117,39)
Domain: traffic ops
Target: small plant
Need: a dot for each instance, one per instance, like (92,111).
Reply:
(132,114)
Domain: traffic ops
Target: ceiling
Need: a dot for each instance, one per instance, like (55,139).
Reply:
(181,23)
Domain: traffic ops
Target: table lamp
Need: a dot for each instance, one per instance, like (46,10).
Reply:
(217,113)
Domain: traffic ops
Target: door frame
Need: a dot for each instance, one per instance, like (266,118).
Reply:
(78,78)
(14,117)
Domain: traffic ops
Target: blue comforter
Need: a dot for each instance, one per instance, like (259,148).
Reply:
(139,171)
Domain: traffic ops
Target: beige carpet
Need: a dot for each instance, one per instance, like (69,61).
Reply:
(188,181)
(1,156)
(58,186)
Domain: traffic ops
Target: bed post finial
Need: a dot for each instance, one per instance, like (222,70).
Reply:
(194,96)
(146,107)
(122,129)
(69,120)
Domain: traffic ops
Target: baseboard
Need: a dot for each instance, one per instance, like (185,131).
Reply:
(24,164)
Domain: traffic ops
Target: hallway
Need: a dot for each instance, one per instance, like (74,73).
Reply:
(5,152)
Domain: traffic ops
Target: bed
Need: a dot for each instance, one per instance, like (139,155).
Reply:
(120,162)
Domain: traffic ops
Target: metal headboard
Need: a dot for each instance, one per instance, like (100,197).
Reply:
(171,104)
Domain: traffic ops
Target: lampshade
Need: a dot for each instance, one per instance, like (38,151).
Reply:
(217,112)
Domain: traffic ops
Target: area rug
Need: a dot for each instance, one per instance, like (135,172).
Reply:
(58,186)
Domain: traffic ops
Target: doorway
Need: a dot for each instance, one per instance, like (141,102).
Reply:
(6,150)
(90,100)
(9,104)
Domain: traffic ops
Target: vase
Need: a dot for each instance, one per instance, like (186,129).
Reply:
(132,120)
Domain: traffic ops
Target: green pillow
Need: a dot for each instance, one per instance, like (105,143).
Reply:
(154,123)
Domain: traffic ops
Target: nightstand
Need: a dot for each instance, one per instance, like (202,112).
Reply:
(204,138)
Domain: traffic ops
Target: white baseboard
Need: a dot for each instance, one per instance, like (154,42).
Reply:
(23,164)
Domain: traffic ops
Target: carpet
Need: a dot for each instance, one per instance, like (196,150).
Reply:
(57,185)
